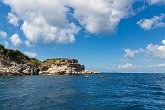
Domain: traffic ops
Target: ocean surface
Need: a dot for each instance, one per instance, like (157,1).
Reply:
(110,92)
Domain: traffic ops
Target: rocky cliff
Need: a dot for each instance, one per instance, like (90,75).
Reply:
(8,68)
(63,66)
(13,62)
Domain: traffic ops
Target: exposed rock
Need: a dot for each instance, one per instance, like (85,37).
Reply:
(58,67)
(64,66)
(12,68)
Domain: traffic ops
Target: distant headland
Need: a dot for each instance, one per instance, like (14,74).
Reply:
(14,62)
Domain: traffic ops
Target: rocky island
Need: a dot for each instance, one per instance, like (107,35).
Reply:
(14,62)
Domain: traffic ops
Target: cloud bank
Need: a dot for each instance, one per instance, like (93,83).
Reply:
(48,21)
(157,51)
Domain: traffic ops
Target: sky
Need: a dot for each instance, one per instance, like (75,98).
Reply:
(104,35)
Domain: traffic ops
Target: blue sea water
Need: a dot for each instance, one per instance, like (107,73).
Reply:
(112,92)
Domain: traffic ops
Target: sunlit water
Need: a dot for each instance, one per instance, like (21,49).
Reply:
(112,92)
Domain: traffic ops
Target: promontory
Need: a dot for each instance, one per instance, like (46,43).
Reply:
(14,62)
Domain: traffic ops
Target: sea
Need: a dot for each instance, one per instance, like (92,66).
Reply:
(106,91)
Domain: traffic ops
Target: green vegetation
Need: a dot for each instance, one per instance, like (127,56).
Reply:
(17,56)
(60,61)
(14,55)
(34,61)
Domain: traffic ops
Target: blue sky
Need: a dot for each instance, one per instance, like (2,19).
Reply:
(105,35)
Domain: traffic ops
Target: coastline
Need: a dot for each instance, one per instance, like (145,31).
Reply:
(14,62)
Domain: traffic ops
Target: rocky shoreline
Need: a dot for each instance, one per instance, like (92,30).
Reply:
(13,62)
(9,68)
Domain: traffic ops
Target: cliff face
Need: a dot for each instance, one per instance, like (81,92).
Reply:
(13,62)
(10,68)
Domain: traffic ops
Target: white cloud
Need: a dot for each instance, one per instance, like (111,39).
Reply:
(13,19)
(3,34)
(151,49)
(157,50)
(130,53)
(126,66)
(101,16)
(152,23)
(31,54)
(40,29)
(15,39)
(44,21)
(47,21)
(156,2)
